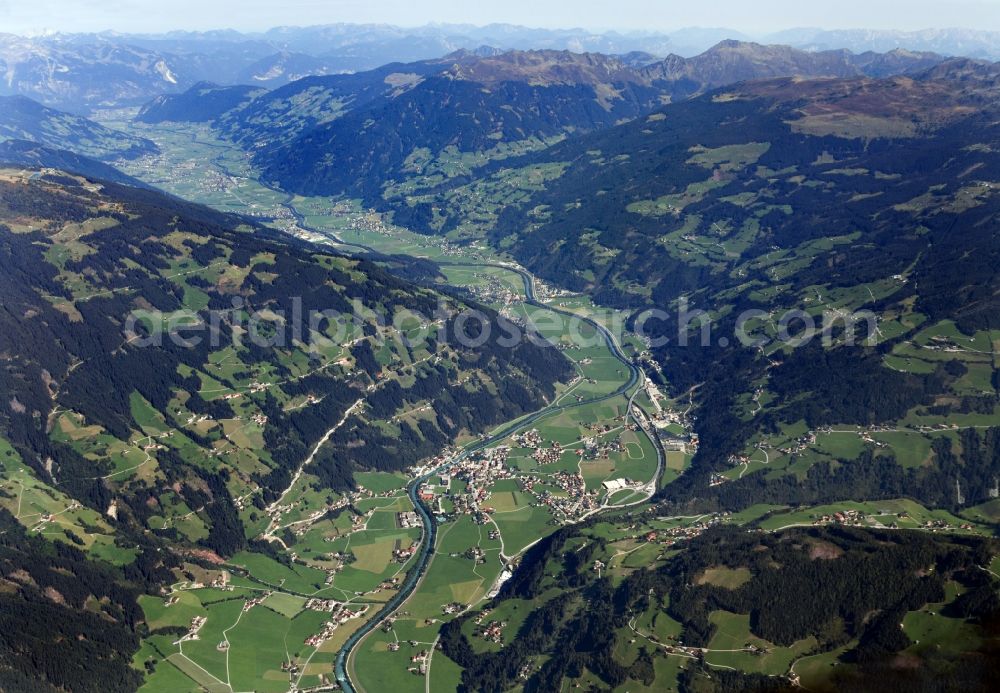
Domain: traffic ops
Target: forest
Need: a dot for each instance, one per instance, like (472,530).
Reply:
(789,596)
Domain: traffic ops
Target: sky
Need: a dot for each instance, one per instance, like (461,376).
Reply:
(749,16)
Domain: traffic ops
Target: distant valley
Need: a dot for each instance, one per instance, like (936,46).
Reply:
(495,358)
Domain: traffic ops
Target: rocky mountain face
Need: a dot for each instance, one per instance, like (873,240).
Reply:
(87,72)
(735,61)
(80,75)
(283,67)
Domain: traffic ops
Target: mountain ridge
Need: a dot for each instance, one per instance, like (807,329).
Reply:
(25,119)
(371,123)
(83,72)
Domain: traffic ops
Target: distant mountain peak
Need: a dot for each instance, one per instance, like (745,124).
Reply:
(543,67)
(483,51)
(731,61)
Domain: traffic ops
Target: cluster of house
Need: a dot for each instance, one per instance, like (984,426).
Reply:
(596,449)
(530,440)
(371,223)
(402,555)
(302,528)
(322,604)
(255,601)
(420,660)
(577,501)
(350,498)
(225,452)
(548,455)
(803,442)
(492,631)
(406,520)
(717,479)
(856,518)
(673,535)
(475,554)
(340,615)
(196,624)
(325,682)
(545,292)
(697,652)
(843,517)
(494,291)
(935,525)
(221,581)
(479,472)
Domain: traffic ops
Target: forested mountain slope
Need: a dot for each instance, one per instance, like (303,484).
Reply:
(738,610)
(24,119)
(38,156)
(143,448)
(822,196)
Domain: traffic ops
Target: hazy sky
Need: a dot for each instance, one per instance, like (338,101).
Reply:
(21,16)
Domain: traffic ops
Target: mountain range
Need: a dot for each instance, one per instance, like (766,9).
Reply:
(419,122)
(83,72)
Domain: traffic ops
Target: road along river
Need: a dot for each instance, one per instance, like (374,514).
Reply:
(429,534)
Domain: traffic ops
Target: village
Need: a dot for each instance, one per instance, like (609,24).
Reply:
(481,471)
(339,615)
